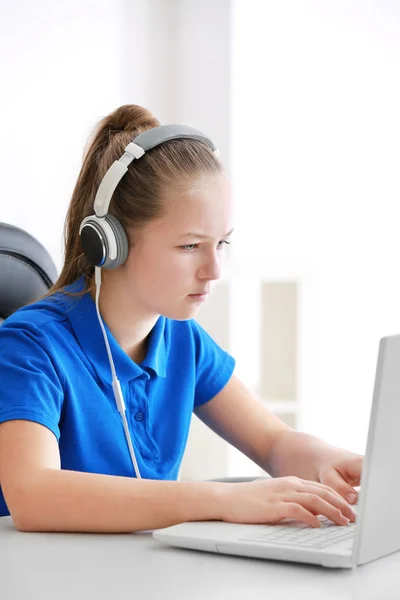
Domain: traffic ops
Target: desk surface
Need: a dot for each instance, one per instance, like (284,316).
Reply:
(62,566)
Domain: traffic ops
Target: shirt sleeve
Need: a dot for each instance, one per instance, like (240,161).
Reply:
(30,385)
(214,366)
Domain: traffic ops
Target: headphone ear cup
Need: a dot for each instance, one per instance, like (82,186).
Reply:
(93,242)
(99,236)
(121,240)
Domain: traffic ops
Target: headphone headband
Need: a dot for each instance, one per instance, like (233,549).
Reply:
(134,150)
(164,133)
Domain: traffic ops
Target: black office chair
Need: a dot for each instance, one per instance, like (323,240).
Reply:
(27,271)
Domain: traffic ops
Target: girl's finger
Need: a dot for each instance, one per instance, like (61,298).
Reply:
(307,482)
(318,506)
(293,510)
(317,484)
(334,499)
(336,481)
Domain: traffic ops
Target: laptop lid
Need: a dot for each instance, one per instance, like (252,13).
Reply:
(378,515)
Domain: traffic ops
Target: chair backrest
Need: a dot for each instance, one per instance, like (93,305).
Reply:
(27,271)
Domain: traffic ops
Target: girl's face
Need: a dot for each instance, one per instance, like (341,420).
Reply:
(182,253)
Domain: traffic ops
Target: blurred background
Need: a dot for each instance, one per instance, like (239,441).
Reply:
(302,99)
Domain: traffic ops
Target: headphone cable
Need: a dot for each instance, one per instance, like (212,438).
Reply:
(116,386)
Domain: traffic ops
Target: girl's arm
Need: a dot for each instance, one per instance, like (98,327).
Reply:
(42,497)
(241,419)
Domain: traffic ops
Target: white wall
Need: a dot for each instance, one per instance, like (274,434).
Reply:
(315,155)
(61,70)
(64,65)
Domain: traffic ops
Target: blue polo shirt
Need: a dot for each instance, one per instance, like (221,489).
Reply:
(54,370)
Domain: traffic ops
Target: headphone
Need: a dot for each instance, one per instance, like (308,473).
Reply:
(103,238)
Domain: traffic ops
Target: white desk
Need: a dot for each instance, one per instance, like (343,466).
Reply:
(59,566)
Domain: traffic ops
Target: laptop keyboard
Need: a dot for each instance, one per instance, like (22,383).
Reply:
(302,535)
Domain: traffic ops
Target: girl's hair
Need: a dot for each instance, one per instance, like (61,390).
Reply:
(140,195)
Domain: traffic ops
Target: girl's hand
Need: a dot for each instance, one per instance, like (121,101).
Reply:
(342,472)
(271,500)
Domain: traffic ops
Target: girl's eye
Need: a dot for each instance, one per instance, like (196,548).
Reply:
(191,247)
(188,247)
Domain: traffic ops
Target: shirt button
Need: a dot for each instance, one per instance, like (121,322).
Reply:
(139,416)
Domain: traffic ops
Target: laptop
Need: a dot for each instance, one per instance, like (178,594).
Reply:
(376,531)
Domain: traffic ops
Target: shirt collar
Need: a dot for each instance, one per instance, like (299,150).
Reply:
(81,311)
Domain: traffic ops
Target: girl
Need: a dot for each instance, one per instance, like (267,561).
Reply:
(98,389)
